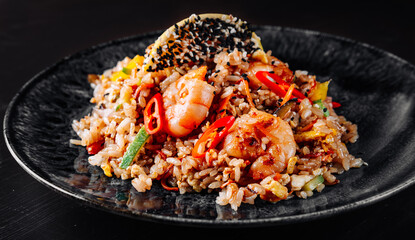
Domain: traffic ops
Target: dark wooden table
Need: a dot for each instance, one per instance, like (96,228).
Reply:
(35,34)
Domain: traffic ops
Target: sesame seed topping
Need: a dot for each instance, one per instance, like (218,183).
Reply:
(197,42)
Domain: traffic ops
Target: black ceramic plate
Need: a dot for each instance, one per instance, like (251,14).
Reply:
(375,88)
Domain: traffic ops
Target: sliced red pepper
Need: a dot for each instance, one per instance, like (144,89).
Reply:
(336,104)
(215,133)
(277,89)
(276,84)
(153,115)
(288,95)
(95,147)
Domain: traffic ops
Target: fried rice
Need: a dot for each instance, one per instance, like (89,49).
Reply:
(217,124)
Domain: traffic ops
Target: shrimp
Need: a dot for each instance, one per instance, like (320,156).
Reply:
(278,67)
(186,102)
(263,138)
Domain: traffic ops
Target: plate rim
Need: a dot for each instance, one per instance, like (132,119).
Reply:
(291,219)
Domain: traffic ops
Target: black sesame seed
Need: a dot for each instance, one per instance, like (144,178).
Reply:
(205,39)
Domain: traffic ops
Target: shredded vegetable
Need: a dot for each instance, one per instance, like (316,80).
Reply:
(320,105)
(163,179)
(132,150)
(277,85)
(313,183)
(248,94)
(212,136)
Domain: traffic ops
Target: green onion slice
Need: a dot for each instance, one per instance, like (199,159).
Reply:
(313,183)
(132,150)
(322,107)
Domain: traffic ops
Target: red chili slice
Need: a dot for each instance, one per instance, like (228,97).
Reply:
(276,84)
(215,133)
(153,115)
(95,147)
(336,104)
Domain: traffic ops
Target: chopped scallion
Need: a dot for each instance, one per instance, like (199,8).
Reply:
(313,183)
(132,150)
(320,105)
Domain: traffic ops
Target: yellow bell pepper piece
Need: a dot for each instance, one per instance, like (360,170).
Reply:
(119,75)
(136,61)
(319,92)
(291,164)
(107,170)
(277,189)
(308,136)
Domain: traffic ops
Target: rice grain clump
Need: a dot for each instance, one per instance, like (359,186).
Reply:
(206,109)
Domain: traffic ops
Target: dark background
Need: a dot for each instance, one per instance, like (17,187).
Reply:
(36,34)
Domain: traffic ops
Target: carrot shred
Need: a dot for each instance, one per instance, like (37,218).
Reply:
(163,179)
(288,94)
(308,126)
(162,155)
(248,94)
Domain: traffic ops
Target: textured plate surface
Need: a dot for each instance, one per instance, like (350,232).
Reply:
(375,88)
